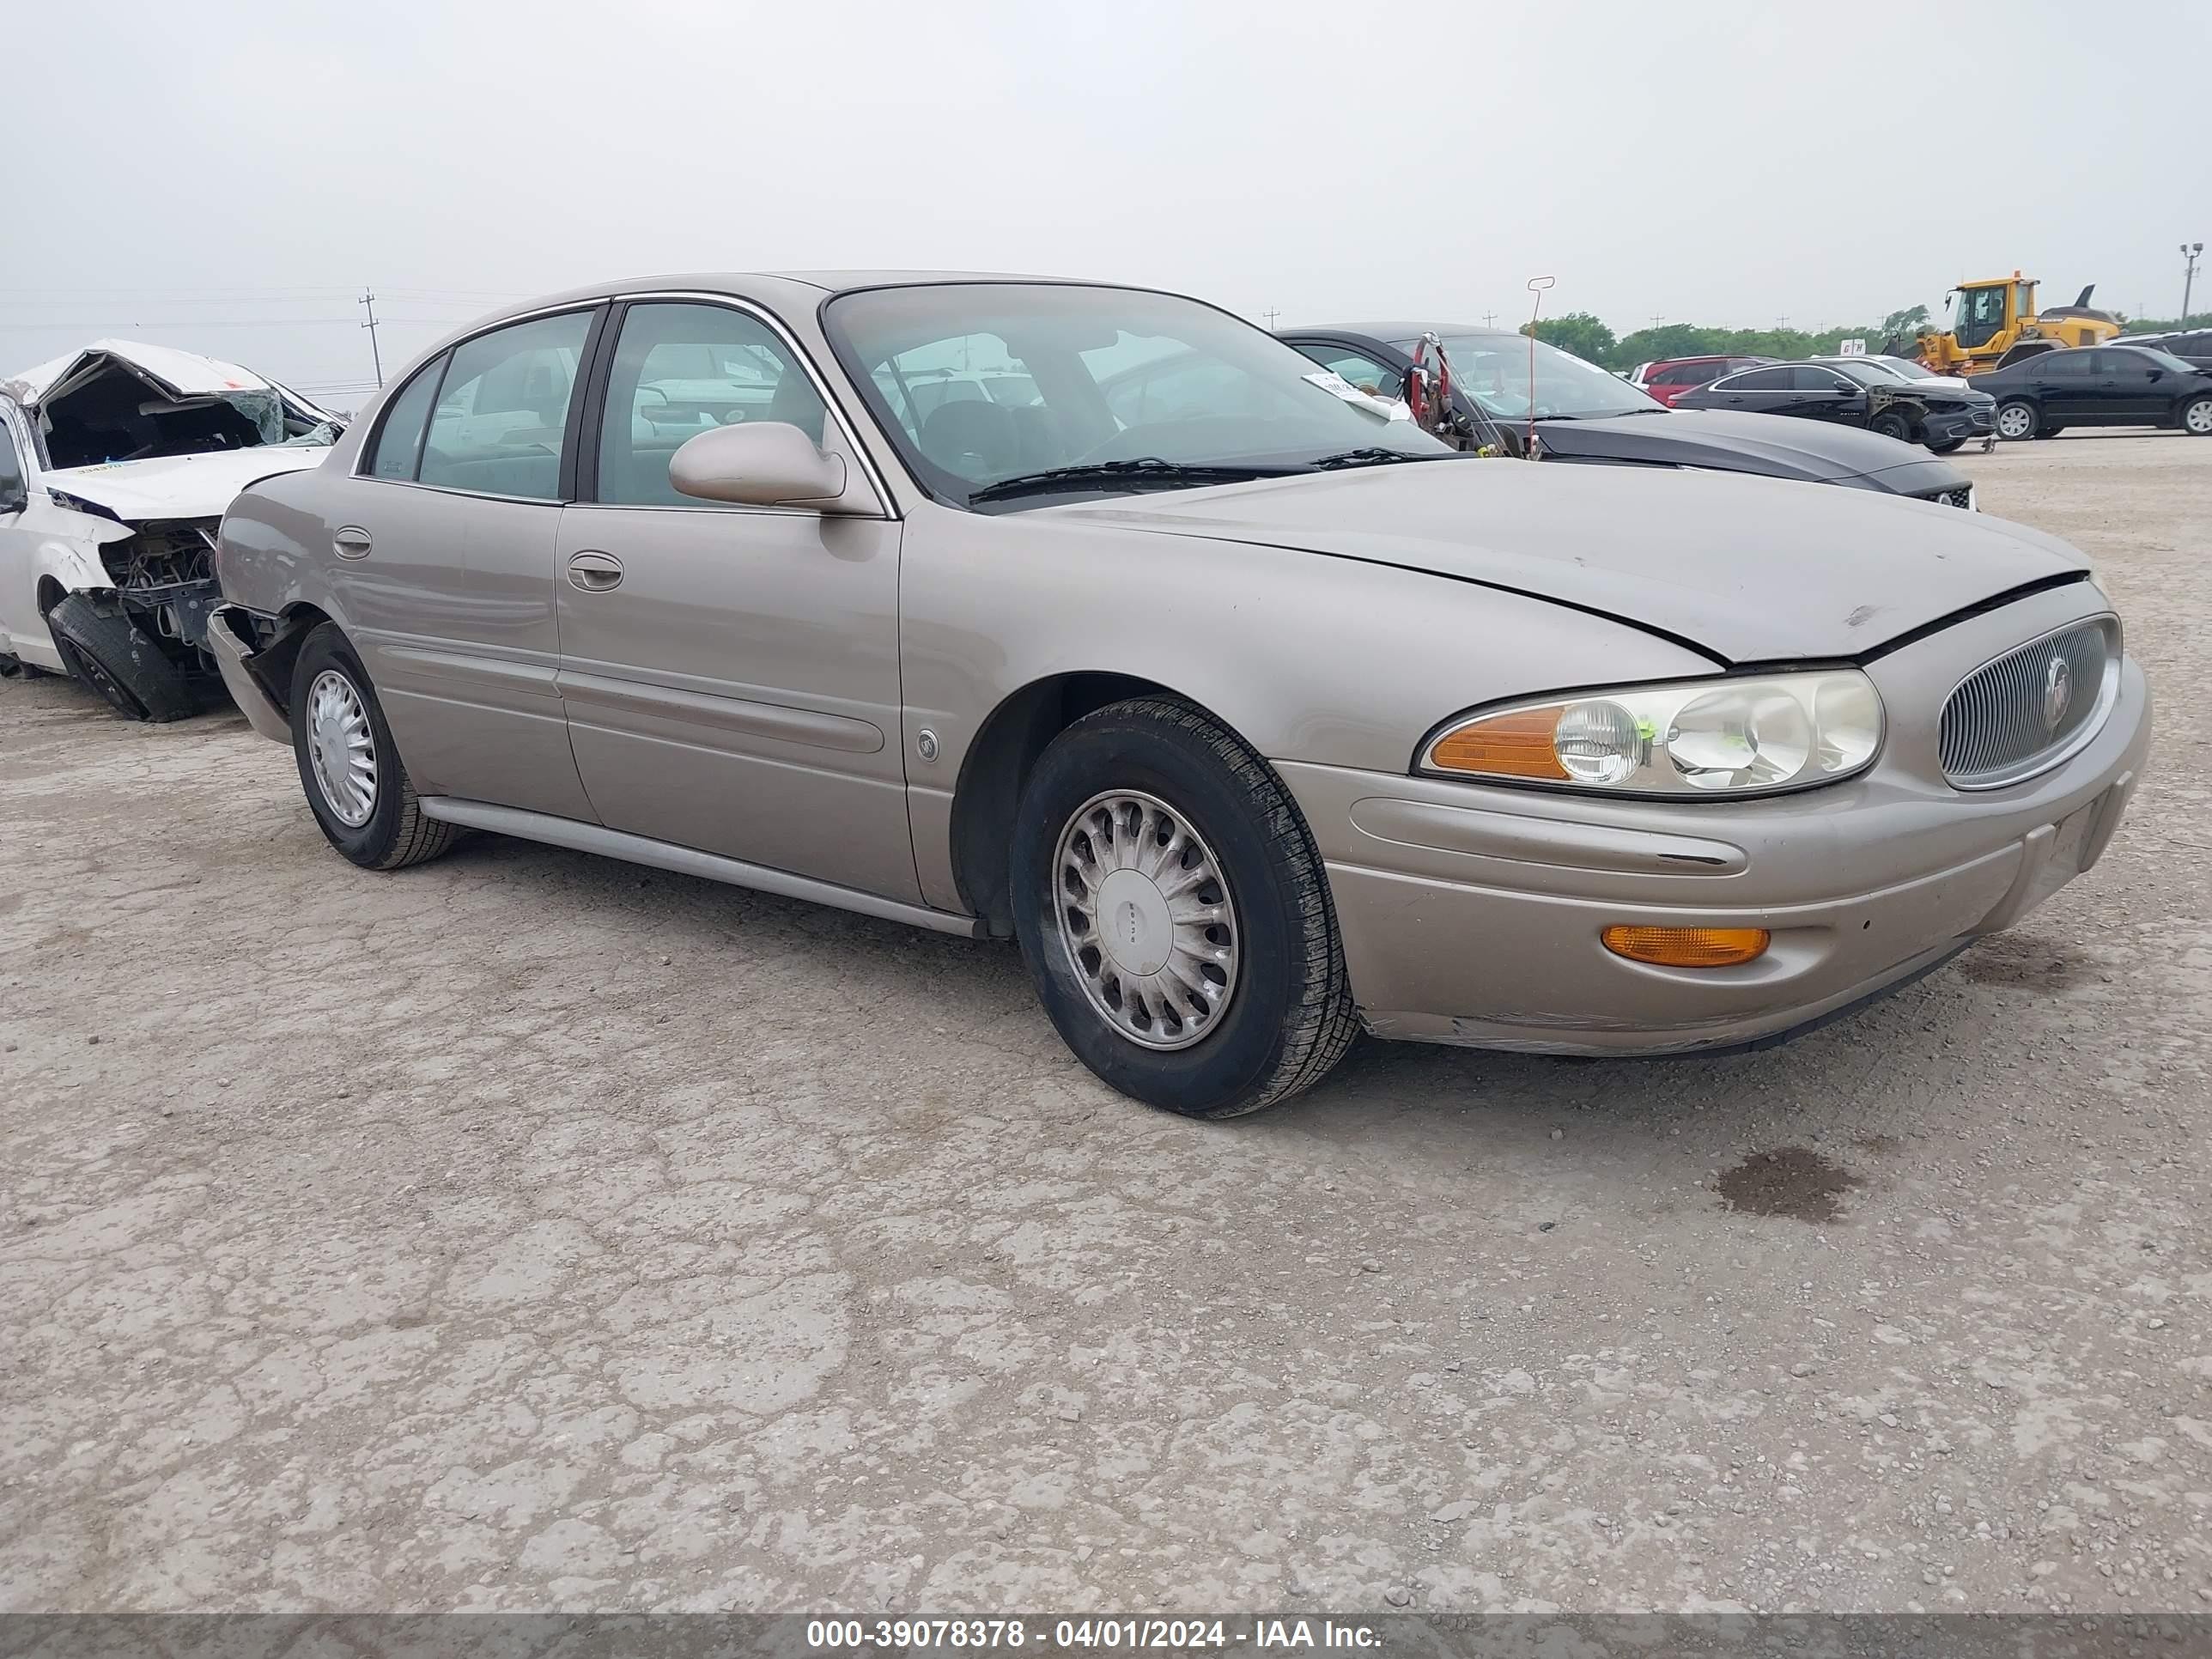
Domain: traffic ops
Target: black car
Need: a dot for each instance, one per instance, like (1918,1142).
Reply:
(2192,345)
(1854,394)
(1581,413)
(2100,386)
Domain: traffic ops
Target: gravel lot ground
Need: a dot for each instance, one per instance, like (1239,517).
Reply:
(528,1230)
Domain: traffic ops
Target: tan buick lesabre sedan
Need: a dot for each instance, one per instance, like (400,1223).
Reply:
(1099,619)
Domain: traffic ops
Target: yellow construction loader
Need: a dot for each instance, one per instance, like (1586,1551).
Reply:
(1988,319)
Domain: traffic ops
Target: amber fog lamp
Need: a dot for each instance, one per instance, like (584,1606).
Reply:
(1688,947)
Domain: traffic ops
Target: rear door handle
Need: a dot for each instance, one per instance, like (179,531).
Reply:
(594,572)
(351,541)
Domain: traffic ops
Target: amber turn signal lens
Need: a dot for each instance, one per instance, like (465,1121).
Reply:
(1517,745)
(1687,947)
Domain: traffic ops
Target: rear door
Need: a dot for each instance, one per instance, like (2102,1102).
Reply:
(445,539)
(731,673)
(2072,392)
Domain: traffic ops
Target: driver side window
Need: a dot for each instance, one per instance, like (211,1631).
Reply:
(11,465)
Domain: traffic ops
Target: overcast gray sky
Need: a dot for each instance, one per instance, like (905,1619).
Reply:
(226,176)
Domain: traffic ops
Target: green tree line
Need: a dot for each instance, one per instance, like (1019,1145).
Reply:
(1589,337)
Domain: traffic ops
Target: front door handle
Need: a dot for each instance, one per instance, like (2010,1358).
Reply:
(351,541)
(594,572)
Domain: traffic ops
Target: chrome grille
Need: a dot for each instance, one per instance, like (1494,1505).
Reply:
(1962,497)
(2033,707)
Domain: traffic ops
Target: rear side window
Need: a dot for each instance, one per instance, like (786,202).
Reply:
(504,410)
(400,440)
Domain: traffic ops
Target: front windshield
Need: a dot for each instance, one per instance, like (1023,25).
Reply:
(981,382)
(1493,370)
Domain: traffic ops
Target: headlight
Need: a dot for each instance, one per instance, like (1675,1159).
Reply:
(1702,738)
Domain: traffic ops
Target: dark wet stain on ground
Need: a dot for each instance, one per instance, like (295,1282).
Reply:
(2021,961)
(1790,1180)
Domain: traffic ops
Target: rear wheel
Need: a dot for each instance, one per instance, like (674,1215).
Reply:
(2196,417)
(108,651)
(2019,419)
(356,787)
(1174,915)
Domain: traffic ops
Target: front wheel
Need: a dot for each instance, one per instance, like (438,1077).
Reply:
(2197,418)
(356,787)
(1174,914)
(1892,425)
(1946,449)
(103,646)
(2017,420)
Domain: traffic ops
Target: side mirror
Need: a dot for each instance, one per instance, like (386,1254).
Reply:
(761,463)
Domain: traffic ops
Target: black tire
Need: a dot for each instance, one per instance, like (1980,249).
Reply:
(394,834)
(2034,427)
(1892,425)
(2195,417)
(109,651)
(1289,1015)
(2050,432)
(1945,449)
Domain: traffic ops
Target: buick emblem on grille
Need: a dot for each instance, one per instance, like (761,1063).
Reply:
(2057,691)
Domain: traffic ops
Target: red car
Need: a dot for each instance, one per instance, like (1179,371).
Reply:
(1670,377)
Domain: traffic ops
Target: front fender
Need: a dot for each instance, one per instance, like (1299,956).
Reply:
(1322,660)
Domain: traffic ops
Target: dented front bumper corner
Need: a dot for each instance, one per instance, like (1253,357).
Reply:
(230,641)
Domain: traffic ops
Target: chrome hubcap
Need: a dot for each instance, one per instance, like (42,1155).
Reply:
(2015,423)
(2199,417)
(342,749)
(1148,919)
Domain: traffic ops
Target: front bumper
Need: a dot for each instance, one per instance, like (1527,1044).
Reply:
(1472,913)
(1946,425)
(229,633)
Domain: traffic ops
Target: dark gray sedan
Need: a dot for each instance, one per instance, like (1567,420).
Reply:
(1578,412)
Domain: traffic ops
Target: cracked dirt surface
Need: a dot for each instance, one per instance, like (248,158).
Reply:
(531,1231)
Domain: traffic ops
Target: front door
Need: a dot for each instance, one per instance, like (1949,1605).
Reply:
(21,628)
(731,673)
(444,565)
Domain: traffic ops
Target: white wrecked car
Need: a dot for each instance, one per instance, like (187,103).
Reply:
(116,464)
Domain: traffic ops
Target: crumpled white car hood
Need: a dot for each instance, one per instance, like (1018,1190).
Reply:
(181,486)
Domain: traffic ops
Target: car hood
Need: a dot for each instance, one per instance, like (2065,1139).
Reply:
(1737,442)
(181,486)
(1747,569)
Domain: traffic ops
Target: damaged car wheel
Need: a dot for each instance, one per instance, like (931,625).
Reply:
(356,787)
(107,650)
(1892,425)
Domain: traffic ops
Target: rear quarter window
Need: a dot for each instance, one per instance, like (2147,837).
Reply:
(399,438)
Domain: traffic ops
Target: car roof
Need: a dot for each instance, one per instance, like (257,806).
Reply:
(800,288)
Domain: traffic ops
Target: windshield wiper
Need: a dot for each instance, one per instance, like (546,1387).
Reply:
(1145,469)
(1372,455)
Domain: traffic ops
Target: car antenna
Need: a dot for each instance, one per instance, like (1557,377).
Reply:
(1536,286)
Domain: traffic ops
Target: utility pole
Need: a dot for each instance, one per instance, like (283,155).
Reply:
(2189,251)
(1785,321)
(1489,319)
(375,356)
(1656,319)
(1271,313)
